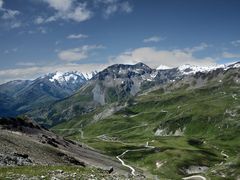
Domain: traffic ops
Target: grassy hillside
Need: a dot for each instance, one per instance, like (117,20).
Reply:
(193,128)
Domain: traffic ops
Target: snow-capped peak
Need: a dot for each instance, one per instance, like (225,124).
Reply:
(89,76)
(163,67)
(63,77)
(73,76)
(192,69)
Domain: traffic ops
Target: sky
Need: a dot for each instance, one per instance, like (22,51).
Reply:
(43,36)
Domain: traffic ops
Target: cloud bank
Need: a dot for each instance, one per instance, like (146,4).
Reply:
(77,54)
(155,57)
(30,73)
(77,36)
(66,10)
(153,39)
(9,16)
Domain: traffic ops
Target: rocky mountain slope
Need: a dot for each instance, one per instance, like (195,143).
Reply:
(17,97)
(23,142)
(115,84)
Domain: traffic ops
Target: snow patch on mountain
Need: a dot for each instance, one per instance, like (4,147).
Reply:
(62,77)
(163,67)
(192,69)
(153,74)
(89,76)
(187,69)
(73,77)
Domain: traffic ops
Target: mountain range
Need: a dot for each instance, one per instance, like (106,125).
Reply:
(167,122)
(22,96)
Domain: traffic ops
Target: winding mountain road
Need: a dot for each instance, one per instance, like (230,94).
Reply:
(224,154)
(134,150)
(123,163)
(194,177)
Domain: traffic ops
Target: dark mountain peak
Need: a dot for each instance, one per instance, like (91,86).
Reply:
(124,71)
(141,65)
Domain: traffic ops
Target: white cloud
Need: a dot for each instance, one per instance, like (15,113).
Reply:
(78,11)
(77,36)
(154,57)
(36,71)
(8,51)
(60,5)
(10,14)
(15,24)
(39,29)
(112,6)
(111,9)
(26,64)
(42,30)
(1,3)
(51,19)
(236,43)
(67,10)
(230,55)
(200,47)
(126,7)
(79,14)
(39,20)
(153,39)
(77,54)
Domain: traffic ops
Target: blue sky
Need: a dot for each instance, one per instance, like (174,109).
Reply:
(41,36)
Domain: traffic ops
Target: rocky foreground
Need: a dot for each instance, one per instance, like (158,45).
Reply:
(28,151)
(57,173)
